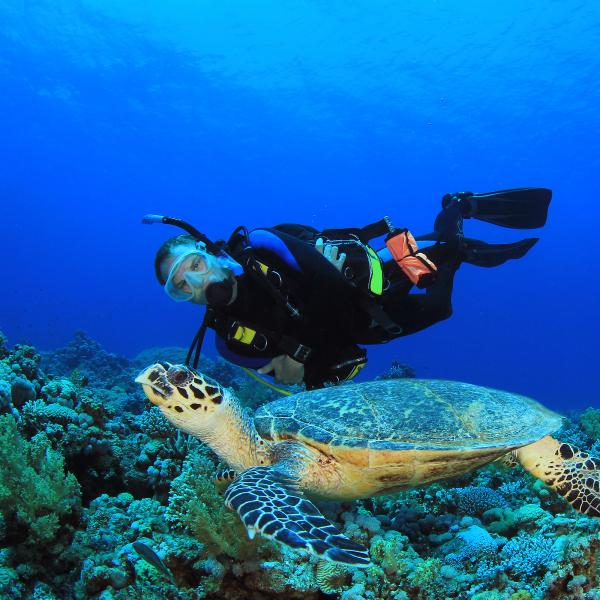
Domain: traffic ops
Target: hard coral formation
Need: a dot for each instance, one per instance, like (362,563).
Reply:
(475,501)
(590,423)
(398,370)
(88,470)
(89,359)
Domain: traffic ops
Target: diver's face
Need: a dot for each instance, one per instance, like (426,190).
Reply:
(191,275)
(189,272)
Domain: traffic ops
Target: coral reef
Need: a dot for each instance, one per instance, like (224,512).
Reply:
(398,370)
(94,483)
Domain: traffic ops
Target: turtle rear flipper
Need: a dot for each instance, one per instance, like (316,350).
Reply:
(573,474)
(270,503)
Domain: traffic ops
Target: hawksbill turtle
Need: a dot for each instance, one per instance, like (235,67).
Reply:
(361,440)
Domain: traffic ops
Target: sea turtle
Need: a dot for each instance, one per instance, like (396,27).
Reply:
(360,440)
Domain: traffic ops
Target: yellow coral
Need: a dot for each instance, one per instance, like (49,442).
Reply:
(331,577)
(147,574)
(520,595)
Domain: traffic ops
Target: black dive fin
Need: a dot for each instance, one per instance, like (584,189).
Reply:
(521,208)
(481,254)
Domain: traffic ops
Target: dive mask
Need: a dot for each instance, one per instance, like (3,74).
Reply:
(189,273)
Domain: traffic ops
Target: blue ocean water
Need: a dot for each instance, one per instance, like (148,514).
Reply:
(326,113)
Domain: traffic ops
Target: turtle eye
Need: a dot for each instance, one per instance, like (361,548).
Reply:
(178,375)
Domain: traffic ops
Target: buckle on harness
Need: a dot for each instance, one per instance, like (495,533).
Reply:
(295,349)
(247,335)
(302,353)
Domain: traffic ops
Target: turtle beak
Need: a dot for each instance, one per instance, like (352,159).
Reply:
(154,383)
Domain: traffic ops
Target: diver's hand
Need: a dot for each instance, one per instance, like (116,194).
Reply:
(285,369)
(330,252)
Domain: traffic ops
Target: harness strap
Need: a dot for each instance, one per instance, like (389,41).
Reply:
(271,281)
(378,314)
(262,340)
(374,230)
(196,344)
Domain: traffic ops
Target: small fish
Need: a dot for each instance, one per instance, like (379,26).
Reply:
(152,558)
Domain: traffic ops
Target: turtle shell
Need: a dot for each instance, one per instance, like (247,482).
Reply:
(403,414)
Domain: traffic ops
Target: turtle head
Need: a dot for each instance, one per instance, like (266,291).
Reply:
(187,398)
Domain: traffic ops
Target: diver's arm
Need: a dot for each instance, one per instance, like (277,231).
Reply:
(284,370)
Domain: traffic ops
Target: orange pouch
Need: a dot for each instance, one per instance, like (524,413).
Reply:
(415,265)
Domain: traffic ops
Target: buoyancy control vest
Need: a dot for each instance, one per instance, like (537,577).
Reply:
(246,343)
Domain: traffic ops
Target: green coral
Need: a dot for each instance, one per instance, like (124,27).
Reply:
(426,578)
(8,577)
(520,595)
(488,595)
(3,346)
(393,553)
(35,491)
(195,505)
(61,391)
(590,422)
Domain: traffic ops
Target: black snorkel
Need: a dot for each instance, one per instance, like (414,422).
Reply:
(211,246)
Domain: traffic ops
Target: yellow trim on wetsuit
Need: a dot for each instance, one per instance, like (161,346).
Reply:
(355,371)
(264,268)
(376,272)
(270,385)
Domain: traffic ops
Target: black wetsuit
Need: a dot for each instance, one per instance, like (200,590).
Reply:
(334,320)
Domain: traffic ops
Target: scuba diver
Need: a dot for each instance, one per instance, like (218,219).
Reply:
(297,304)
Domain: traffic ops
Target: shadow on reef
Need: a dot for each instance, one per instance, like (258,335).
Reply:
(90,474)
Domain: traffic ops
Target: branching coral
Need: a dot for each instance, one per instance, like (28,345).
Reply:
(526,555)
(35,491)
(476,500)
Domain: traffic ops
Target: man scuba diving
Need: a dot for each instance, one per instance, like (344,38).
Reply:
(297,303)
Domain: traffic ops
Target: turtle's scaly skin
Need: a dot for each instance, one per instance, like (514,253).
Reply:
(384,435)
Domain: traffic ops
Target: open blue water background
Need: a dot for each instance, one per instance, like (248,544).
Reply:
(328,113)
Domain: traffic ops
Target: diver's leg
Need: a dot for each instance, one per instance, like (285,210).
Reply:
(415,312)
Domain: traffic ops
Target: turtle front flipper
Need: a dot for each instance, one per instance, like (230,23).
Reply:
(269,502)
(573,474)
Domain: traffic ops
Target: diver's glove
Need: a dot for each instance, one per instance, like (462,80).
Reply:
(330,252)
